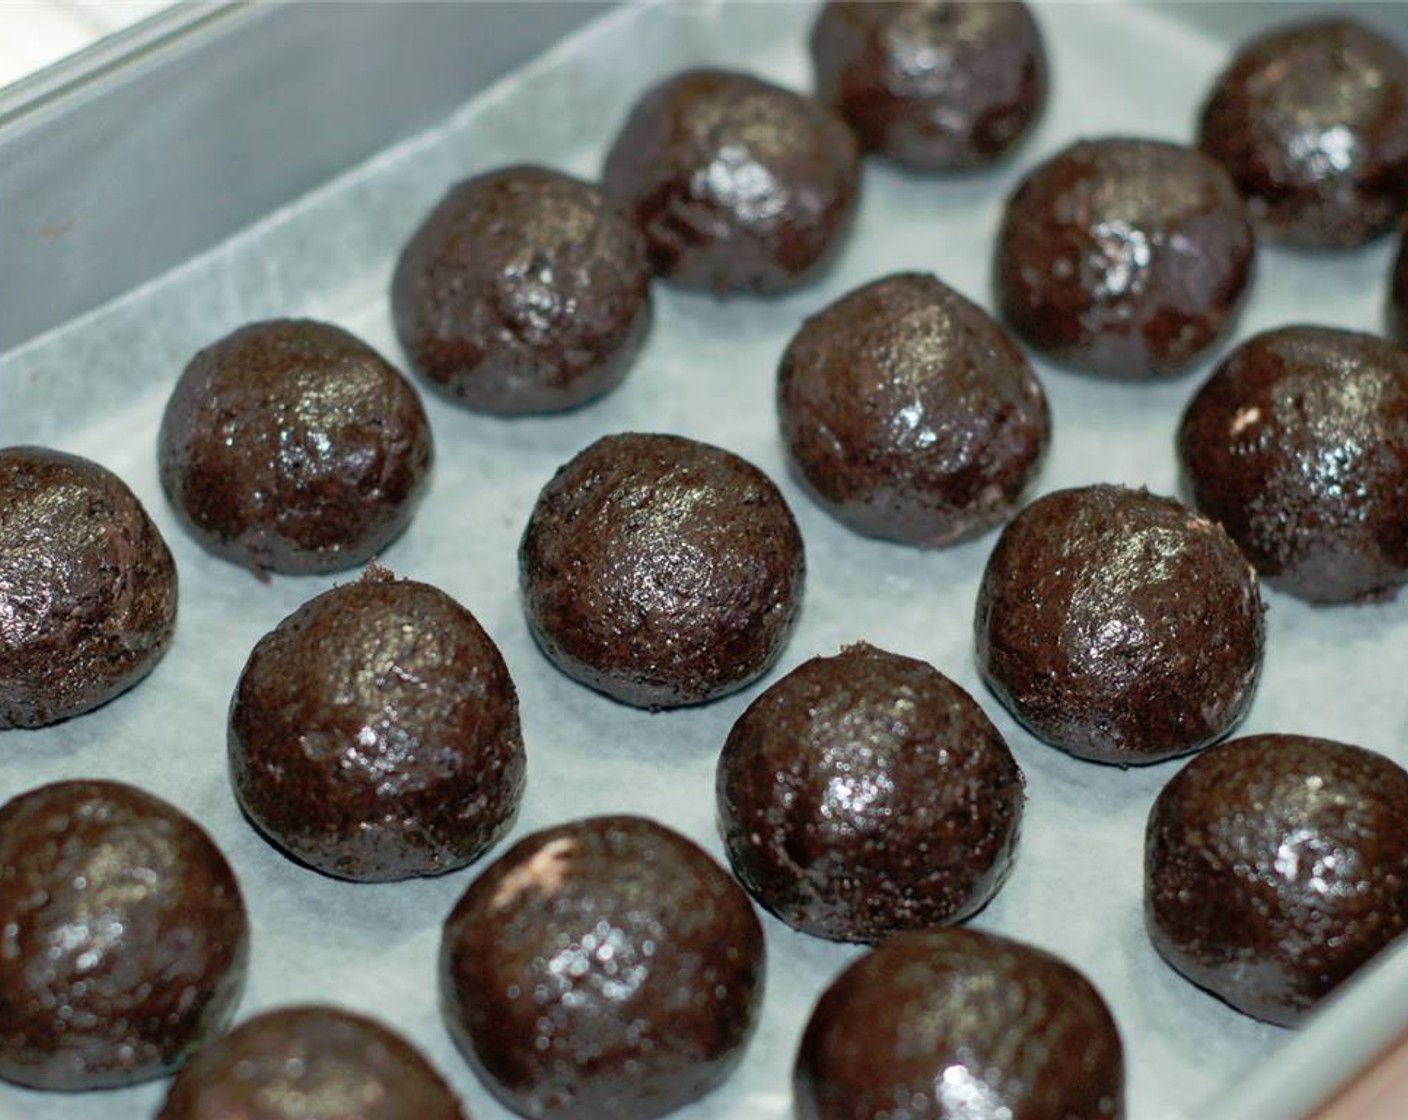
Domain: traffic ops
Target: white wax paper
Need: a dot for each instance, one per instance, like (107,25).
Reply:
(98,387)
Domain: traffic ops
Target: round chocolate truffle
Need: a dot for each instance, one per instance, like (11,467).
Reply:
(956,1023)
(374,734)
(738,185)
(1311,120)
(292,446)
(932,86)
(865,794)
(1124,258)
(1120,626)
(523,291)
(87,587)
(661,571)
(606,967)
(1275,867)
(1298,445)
(910,413)
(123,938)
(310,1063)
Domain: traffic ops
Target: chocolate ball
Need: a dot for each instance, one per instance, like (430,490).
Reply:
(1124,258)
(661,571)
(1298,445)
(87,587)
(291,446)
(954,1024)
(932,86)
(310,1063)
(123,939)
(865,794)
(1120,626)
(1311,120)
(523,291)
(910,413)
(606,967)
(737,184)
(374,734)
(1275,867)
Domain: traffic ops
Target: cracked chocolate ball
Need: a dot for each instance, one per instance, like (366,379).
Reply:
(1311,120)
(606,967)
(523,291)
(88,588)
(660,570)
(1120,626)
(123,938)
(310,1063)
(292,446)
(1275,867)
(933,86)
(958,1023)
(1124,258)
(1298,445)
(737,184)
(374,734)
(866,793)
(910,413)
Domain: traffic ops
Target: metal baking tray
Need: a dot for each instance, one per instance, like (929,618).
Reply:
(218,165)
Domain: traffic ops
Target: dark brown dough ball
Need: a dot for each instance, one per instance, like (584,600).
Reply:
(1298,445)
(292,446)
(865,794)
(310,1063)
(1311,120)
(523,291)
(1124,258)
(123,939)
(954,1024)
(374,734)
(910,413)
(933,86)
(738,185)
(661,571)
(87,587)
(1120,626)
(603,968)
(1276,866)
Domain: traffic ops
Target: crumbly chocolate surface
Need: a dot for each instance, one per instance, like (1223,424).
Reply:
(660,570)
(374,734)
(1311,120)
(292,446)
(1124,258)
(934,87)
(88,588)
(910,413)
(606,967)
(957,1023)
(1275,867)
(310,1063)
(123,938)
(1120,626)
(866,793)
(1298,445)
(523,291)
(738,185)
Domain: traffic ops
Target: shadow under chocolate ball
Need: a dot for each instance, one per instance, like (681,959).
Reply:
(88,588)
(660,570)
(865,794)
(292,446)
(374,733)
